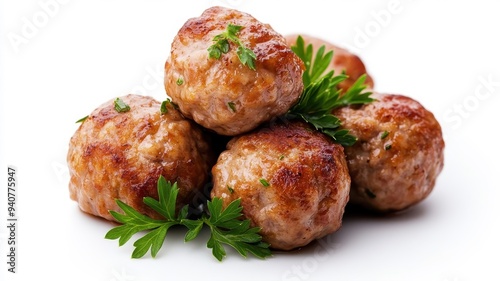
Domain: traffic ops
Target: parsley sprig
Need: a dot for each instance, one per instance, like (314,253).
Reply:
(224,223)
(322,94)
(221,46)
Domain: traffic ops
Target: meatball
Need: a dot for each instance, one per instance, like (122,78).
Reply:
(116,155)
(342,60)
(292,180)
(398,155)
(223,94)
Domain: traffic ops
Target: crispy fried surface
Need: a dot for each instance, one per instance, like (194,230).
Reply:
(308,182)
(209,85)
(121,155)
(400,170)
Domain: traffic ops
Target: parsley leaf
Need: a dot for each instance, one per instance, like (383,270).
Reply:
(226,228)
(247,57)
(322,95)
(224,223)
(221,46)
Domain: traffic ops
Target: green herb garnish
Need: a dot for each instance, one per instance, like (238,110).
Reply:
(231,190)
(314,69)
(221,46)
(387,146)
(224,223)
(264,182)
(227,228)
(179,81)
(163,106)
(121,106)
(232,106)
(384,135)
(321,94)
(82,119)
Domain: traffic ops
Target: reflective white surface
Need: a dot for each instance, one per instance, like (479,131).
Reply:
(60,60)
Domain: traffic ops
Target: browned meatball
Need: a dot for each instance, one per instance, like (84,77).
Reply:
(223,94)
(293,182)
(116,155)
(399,153)
(342,60)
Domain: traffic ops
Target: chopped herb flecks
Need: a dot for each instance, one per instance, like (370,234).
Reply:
(121,106)
(264,182)
(221,46)
(232,106)
(384,135)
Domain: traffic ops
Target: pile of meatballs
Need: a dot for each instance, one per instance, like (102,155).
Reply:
(223,130)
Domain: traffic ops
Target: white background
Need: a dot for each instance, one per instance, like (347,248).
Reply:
(60,61)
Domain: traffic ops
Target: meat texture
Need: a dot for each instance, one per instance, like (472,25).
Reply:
(223,94)
(398,155)
(116,155)
(292,180)
(342,60)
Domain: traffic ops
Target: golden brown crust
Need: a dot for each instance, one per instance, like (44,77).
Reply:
(210,84)
(308,182)
(399,170)
(116,155)
(342,60)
